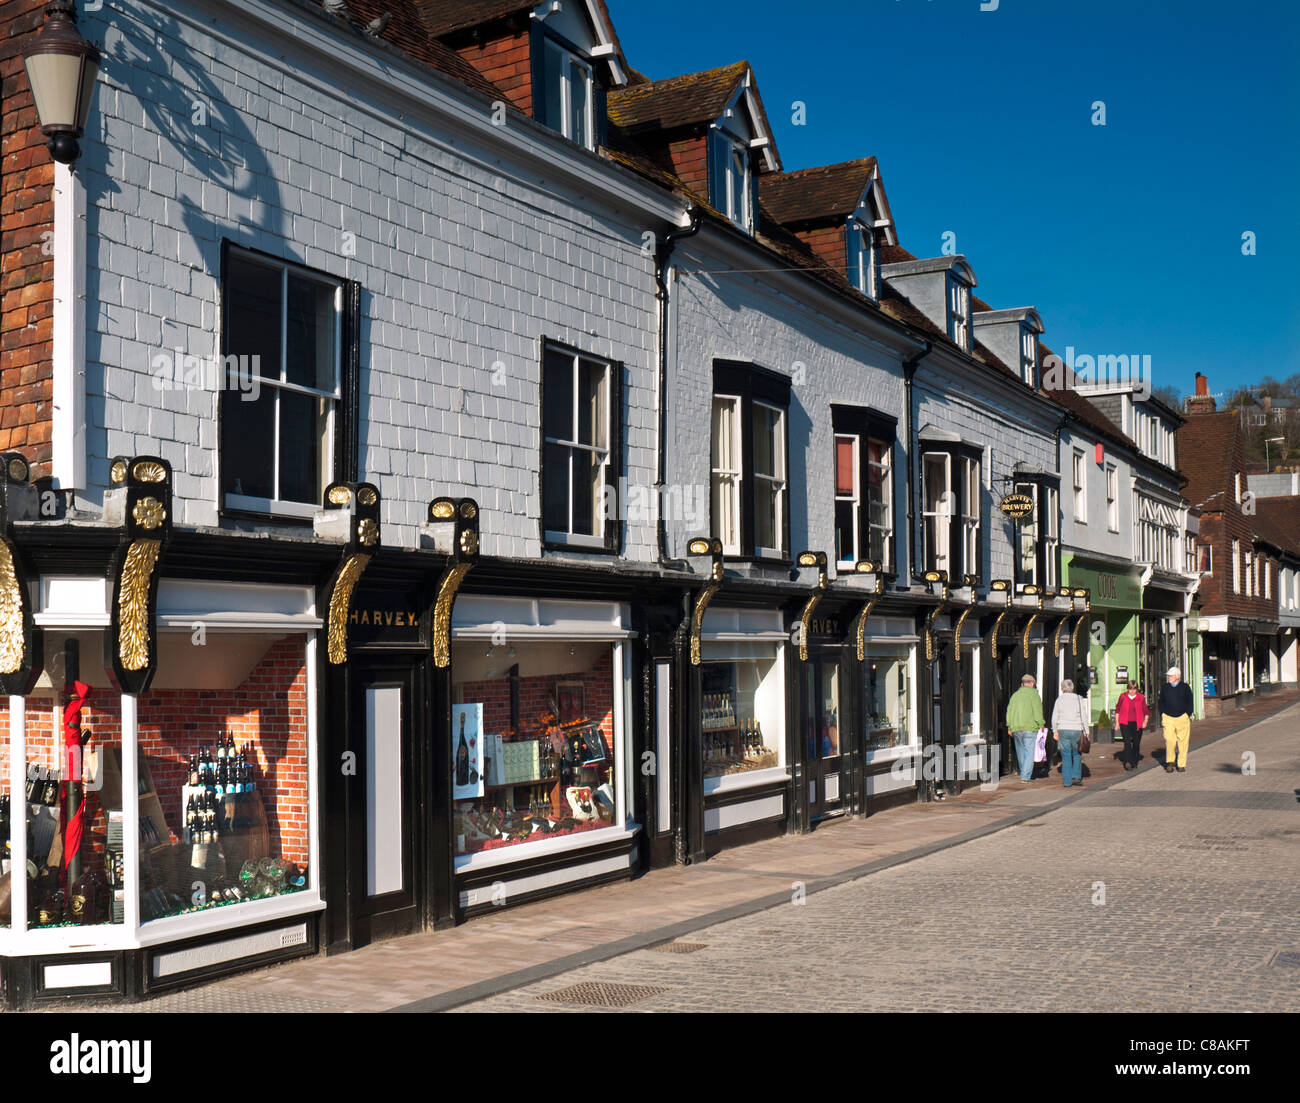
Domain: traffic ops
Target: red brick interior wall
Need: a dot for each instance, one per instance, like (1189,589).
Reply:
(505,58)
(534,697)
(26,260)
(268,713)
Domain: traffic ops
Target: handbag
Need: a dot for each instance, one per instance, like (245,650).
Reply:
(1085,740)
(1040,746)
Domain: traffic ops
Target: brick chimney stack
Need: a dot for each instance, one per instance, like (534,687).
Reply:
(1202,402)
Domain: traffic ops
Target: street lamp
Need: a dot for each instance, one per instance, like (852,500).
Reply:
(61,68)
(1267,442)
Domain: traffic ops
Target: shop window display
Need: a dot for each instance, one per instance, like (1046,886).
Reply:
(223,786)
(968,691)
(739,718)
(887,698)
(71,875)
(533,742)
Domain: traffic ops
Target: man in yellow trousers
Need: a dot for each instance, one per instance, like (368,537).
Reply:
(1176,716)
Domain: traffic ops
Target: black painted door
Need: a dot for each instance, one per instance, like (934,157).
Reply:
(820,723)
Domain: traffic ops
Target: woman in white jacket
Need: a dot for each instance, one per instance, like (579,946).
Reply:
(1069,721)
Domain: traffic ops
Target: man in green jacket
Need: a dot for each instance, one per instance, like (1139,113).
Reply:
(1024,718)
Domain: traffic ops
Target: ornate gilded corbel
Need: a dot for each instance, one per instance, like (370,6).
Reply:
(713,549)
(1086,594)
(22,650)
(141,503)
(866,566)
(1024,639)
(462,515)
(1000,586)
(1056,637)
(956,632)
(818,560)
(930,618)
(357,506)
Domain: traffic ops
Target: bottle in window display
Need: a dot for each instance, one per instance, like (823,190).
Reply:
(462,756)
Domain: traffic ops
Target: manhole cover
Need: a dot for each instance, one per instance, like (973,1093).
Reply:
(679,947)
(602,994)
(1287,957)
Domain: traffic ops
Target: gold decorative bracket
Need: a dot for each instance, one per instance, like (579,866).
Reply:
(818,560)
(361,503)
(142,505)
(462,514)
(712,547)
(1074,639)
(1056,637)
(997,626)
(860,627)
(1024,639)
(956,632)
(930,618)
(21,649)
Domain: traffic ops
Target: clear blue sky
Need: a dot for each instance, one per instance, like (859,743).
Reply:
(1127,237)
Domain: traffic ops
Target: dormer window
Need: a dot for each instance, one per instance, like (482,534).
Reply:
(567,93)
(731,180)
(864,265)
(1028,356)
(959,313)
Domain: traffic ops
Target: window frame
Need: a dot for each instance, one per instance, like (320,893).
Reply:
(1112,498)
(724,148)
(748,383)
(1046,492)
(543,41)
(1029,355)
(1236,566)
(609,540)
(865,426)
(342,445)
(863,257)
(965,533)
(1079,472)
(957,295)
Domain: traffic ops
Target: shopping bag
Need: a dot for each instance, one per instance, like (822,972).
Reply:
(1040,746)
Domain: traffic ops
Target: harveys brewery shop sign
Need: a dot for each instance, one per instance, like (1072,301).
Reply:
(1017,506)
(384,618)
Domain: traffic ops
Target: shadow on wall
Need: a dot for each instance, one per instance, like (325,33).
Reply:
(191,150)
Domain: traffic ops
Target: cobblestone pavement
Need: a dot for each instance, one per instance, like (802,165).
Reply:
(1165,893)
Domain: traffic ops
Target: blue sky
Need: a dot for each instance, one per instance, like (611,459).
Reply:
(1128,236)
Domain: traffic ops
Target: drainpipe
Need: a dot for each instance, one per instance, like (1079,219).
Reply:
(909,370)
(663,254)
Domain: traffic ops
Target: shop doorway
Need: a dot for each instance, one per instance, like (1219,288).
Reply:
(383,843)
(940,767)
(820,712)
(1009,667)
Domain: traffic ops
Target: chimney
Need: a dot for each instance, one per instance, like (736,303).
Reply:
(1202,402)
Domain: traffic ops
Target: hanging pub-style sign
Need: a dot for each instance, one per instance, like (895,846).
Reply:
(1016,506)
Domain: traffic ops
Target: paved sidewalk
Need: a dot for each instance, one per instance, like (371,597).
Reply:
(436,970)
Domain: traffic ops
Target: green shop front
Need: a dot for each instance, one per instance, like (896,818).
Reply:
(1113,628)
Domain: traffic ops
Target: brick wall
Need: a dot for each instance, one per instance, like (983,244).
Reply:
(26,258)
(829,245)
(504,57)
(268,713)
(690,162)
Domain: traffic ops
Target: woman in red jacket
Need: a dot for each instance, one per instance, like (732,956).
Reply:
(1132,715)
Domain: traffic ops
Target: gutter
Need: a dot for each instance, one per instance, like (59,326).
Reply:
(909,371)
(663,255)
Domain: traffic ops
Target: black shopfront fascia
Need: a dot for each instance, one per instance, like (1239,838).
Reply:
(867,424)
(753,383)
(956,453)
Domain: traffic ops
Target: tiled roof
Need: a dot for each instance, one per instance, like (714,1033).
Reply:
(442,17)
(1277,520)
(675,102)
(1209,452)
(406,32)
(827,191)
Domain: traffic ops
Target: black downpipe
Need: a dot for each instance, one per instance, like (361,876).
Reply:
(663,253)
(909,371)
